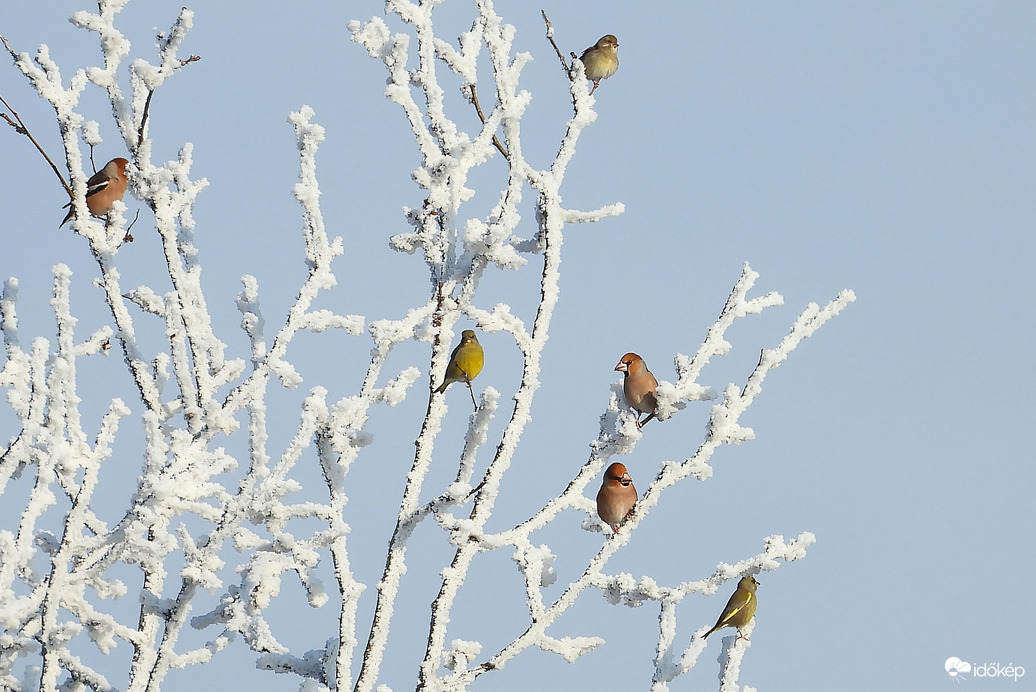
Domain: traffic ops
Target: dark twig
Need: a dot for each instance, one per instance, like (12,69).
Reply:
(478,109)
(550,37)
(143,119)
(151,93)
(21,129)
(128,238)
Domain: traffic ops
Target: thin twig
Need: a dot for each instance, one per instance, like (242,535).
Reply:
(128,238)
(143,118)
(550,37)
(151,92)
(21,129)
(478,109)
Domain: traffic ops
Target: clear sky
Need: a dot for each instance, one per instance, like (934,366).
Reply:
(886,147)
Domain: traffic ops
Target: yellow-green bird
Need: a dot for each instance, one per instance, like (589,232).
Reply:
(740,608)
(601,60)
(465,362)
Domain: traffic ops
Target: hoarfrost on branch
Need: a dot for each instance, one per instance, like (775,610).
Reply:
(184,520)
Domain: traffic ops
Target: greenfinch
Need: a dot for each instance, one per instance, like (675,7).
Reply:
(465,362)
(740,608)
(617,496)
(601,60)
(638,386)
(102,189)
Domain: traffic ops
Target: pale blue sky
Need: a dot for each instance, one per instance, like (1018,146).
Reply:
(886,147)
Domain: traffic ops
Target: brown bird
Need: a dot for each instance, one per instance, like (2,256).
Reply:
(638,386)
(601,60)
(617,496)
(740,608)
(102,189)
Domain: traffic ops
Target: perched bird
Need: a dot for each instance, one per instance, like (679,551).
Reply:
(638,385)
(102,189)
(740,608)
(465,362)
(617,496)
(601,60)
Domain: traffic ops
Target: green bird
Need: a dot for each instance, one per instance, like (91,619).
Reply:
(601,60)
(740,608)
(465,362)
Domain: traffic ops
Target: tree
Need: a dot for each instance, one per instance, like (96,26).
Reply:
(218,518)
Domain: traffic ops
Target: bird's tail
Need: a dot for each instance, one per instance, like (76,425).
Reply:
(69,216)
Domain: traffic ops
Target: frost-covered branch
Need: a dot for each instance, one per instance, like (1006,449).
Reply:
(723,429)
(218,522)
(448,155)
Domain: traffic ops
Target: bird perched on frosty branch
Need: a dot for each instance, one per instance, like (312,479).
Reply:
(601,60)
(739,609)
(465,363)
(638,386)
(103,189)
(617,496)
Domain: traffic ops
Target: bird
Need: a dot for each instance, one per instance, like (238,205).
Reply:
(638,386)
(739,609)
(465,362)
(601,60)
(617,496)
(102,189)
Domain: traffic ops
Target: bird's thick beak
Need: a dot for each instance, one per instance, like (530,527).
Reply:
(621,367)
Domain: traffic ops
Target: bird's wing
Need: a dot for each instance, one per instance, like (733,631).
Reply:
(737,603)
